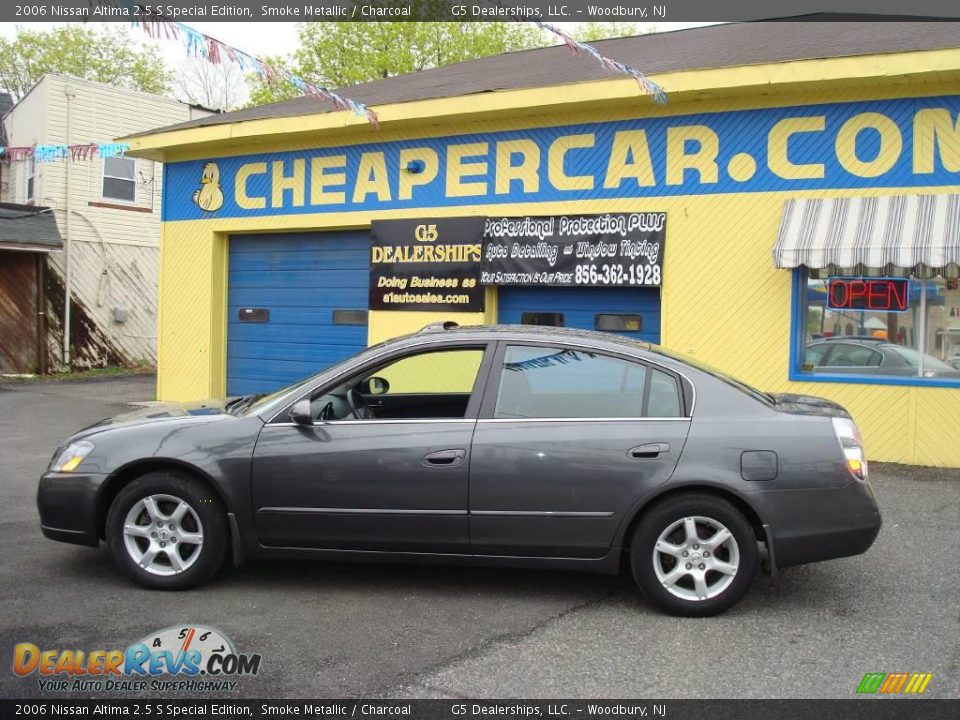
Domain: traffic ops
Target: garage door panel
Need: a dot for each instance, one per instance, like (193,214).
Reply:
(249,273)
(300,279)
(303,315)
(263,258)
(581,305)
(252,350)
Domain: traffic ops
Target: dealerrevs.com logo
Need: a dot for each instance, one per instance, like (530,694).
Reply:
(185,658)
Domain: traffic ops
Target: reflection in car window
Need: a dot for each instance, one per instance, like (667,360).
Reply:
(543,382)
(848,355)
(815,354)
(664,400)
(912,358)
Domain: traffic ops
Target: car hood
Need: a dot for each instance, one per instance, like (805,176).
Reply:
(201,411)
(809,405)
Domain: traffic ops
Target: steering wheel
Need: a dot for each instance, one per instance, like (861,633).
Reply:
(358,407)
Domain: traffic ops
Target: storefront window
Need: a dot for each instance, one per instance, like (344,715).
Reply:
(870,328)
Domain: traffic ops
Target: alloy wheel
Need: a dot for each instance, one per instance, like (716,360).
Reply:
(163,534)
(696,558)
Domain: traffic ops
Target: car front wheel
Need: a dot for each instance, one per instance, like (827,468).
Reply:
(167,531)
(694,555)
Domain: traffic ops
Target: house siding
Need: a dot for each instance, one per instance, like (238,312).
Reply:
(115,244)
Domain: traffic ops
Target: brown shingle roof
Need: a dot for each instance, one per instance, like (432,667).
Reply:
(713,46)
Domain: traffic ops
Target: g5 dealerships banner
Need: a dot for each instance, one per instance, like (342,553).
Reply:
(602,250)
(426,264)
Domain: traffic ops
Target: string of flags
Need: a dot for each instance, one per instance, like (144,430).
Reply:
(52,153)
(199,45)
(578,48)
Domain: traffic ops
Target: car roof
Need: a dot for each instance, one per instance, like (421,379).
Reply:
(538,333)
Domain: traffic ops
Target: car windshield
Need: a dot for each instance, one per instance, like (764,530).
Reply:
(753,392)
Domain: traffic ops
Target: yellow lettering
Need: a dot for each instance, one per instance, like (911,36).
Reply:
(243,199)
(629,158)
(704,160)
(320,180)
(26,656)
(372,178)
(934,128)
(778,147)
(294,183)
(891,144)
(457,169)
(556,156)
(525,172)
(409,180)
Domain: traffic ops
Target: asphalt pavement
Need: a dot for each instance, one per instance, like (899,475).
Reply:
(335,630)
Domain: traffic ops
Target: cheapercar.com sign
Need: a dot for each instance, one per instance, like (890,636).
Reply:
(913,142)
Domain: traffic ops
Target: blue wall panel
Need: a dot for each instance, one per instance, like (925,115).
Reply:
(301,279)
(580,305)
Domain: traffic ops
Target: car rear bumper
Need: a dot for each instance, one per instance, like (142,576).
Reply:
(68,507)
(812,525)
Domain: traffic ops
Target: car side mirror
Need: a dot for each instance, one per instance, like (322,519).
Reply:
(374,386)
(300,412)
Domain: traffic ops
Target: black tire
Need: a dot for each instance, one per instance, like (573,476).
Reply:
(208,516)
(667,513)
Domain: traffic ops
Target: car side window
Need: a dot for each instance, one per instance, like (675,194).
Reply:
(815,354)
(430,384)
(664,398)
(548,382)
(848,355)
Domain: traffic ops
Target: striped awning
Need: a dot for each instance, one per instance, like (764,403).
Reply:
(894,235)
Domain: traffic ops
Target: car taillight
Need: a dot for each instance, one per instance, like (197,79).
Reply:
(852,446)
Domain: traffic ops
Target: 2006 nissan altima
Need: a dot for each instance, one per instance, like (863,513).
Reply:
(515,446)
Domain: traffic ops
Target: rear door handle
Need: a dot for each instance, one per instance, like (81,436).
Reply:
(445,458)
(650,450)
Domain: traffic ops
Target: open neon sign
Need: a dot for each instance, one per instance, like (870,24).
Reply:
(861,293)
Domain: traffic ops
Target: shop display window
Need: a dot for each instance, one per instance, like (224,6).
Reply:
(876,329)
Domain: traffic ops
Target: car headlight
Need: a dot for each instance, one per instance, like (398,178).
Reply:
(71,456)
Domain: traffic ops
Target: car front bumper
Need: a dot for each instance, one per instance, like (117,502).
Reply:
(68,507)
(812,525)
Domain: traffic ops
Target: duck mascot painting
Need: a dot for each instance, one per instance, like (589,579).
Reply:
(209,197)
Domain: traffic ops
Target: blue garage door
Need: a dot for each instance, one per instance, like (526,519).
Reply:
(619,310)
(297,303)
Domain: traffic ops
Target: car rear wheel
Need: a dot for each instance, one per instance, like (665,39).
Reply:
(694,555)
(166,531)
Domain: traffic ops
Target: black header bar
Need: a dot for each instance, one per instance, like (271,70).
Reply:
(639,11)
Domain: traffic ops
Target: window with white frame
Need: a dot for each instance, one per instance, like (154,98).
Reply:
(119,179)
(31,168)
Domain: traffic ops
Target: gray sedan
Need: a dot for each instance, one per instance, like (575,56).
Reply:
(517,446)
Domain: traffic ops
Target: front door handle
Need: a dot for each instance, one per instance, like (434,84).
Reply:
(445,458)
(650,450)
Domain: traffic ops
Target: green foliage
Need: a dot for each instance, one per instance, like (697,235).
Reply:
(341,54)
(109,56)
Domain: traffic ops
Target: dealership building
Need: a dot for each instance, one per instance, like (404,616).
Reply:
(791,216)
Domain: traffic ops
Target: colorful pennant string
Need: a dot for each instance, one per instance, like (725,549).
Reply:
(216,52)
(578,48)
(52,153)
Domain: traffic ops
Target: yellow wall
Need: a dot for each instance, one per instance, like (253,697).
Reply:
(723,301)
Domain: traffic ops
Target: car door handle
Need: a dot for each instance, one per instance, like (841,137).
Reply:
(650,450)
(445,458)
